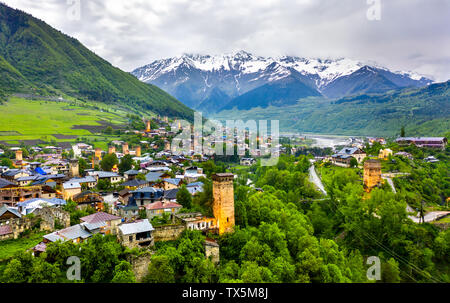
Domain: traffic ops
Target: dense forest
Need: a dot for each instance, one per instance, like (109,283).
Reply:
(285,232)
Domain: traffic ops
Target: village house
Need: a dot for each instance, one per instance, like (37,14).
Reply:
(14,174)
(114,178)
(145,196)
(86,182)
(248,161)
(384,154)
(135,184)
(171,183)
(6,184)
(154,177)
(129,212)
(195,187)
(432,142)
(171,195)
(87,199)
(101,222)
(131,174)
(12,195)
(344,156)
(7,213)
(197,221)
(70,189)
(137,234)
(29,206)
(159,208)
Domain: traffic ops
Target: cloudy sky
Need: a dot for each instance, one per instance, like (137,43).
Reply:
(408,35)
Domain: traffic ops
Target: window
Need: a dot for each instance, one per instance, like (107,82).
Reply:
(130,238)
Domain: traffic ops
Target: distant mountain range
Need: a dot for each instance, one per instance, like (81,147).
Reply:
(422,111)
(244,81)
(37,59)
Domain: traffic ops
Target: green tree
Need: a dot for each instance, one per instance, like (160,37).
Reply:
(184,197)
(353,162)
(109,161)
(126,163)
(123,273)
(160,270)
(6,162)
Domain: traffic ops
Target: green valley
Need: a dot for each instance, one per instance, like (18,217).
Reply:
(35,121)
(422,111)
(40,60)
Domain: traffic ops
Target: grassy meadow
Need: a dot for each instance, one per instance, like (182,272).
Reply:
(22,119)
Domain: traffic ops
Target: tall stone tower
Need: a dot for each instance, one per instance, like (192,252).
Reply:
(138,151)
(19,155)
(125,149)
(74,170)
(97,157)
(372,174)
(148,126)
(223,204)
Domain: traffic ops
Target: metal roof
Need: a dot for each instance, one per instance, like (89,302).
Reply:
(71,185)
(94,226)
(4,209)
(136,227)
(69,233)
(4,183)
(99,217)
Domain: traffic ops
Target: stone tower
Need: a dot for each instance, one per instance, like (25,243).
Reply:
(148,126)
(19,155)
(223,204)
(97,157)
(74,170)
(125,149)
(372,174)
(138,151)
(111,150)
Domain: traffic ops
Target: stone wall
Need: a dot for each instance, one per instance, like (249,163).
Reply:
(168,233)
(46,216)
(140,265)
(50,215)
(213,252)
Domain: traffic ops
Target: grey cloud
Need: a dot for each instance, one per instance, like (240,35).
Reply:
(411,35)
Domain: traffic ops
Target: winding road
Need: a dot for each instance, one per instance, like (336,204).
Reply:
(314,178)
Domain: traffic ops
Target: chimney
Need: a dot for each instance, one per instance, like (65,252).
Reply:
(19,155)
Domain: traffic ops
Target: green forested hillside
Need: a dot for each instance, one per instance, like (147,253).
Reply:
(35,58)
(424,111)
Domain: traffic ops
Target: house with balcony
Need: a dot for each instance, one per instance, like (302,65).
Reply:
(137,234)
(145,196)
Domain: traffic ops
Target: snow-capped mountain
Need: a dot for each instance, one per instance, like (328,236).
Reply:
(210,83)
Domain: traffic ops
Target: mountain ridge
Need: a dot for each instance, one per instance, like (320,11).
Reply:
(36,58)
(192,78)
